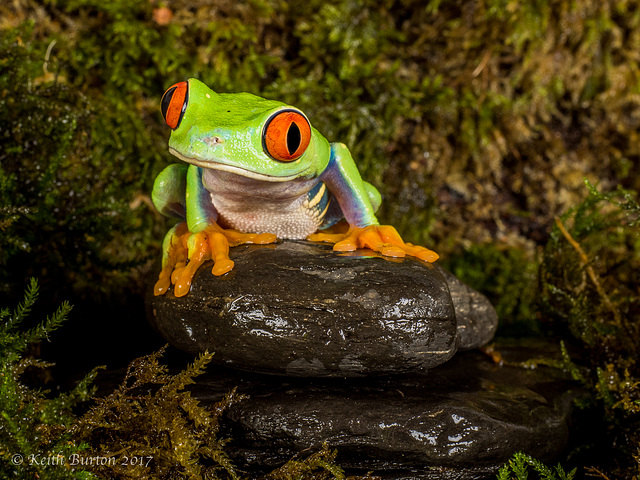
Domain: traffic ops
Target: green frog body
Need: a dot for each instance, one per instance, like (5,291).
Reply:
(256,170)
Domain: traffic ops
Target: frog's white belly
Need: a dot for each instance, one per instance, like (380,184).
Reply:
(292,210)
(293,220)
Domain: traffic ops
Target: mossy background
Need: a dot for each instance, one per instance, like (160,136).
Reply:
(477,120)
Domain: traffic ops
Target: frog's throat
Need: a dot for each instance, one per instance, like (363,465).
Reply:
(212,165)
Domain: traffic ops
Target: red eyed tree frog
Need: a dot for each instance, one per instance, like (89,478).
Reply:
(256,170)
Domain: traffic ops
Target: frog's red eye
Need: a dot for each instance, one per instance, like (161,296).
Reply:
(286,135)
(174,103)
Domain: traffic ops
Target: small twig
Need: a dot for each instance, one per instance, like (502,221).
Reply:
(584,261)
(594,472)
(483,63)
(139,199)
(45,65)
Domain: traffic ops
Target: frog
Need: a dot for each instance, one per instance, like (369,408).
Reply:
(252,171)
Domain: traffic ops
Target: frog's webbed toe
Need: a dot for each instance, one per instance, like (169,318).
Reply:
(174,257)
(383,239)
(185,252)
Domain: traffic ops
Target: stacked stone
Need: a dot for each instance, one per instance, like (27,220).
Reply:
(343,349)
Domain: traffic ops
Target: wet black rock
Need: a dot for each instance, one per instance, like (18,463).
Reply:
(298,308)
(476,317)
(462,420)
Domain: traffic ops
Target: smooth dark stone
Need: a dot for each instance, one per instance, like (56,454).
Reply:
(298,308)
(476,317)
(462,420)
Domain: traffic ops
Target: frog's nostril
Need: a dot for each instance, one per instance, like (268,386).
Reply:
(174,103)
(212,141)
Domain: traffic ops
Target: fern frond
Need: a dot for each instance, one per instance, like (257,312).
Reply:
(179,381)
(519,466)
(145,370)
(13,343)
(25,363)
(198,415)
(51,324)
(323,460)
(58,409)
(222,459)
(229,399)
(24,308)
(184,447)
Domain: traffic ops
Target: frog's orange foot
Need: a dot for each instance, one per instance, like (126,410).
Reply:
(185,252)
(383,239)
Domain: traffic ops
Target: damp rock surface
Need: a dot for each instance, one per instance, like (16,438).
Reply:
(462,420)
(476,317)
(301,309)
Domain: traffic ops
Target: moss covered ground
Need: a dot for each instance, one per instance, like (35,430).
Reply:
(479,121)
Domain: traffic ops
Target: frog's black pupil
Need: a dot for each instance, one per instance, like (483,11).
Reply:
(294,138)
(166,101)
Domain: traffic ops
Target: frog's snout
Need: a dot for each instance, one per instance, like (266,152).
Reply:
(174,103)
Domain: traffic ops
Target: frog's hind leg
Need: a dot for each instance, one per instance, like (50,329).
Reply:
(333,223)
(374,195)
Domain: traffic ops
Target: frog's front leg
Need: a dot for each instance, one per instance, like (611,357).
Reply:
(184,252)
(189,244)
(344,181)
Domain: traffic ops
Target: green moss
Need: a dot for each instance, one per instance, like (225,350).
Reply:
(167,429)
(519,466)
(589,291)
(34,427)
(590,274)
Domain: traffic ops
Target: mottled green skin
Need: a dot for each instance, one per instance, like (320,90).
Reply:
(220,137)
